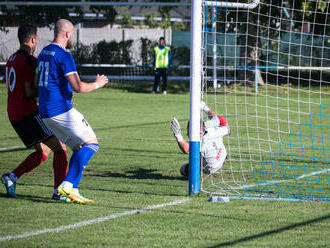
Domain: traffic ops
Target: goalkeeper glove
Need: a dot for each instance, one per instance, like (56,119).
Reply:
(204,107)
(175,126)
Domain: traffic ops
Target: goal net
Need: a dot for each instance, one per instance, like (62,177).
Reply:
(266,69)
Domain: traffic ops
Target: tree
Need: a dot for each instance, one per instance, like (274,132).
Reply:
(46,16)
(163,12)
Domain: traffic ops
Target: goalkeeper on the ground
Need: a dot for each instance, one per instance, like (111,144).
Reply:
(213,151)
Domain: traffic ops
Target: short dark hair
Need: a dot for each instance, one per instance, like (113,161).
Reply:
(25,32)
(161,38)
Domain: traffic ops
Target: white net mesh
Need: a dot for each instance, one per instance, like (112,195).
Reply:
(267,70)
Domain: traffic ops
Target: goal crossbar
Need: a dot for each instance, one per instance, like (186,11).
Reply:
(107,3)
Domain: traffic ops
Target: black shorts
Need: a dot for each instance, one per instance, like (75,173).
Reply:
(31,130)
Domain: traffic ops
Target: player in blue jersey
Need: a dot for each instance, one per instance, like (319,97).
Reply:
(57,78)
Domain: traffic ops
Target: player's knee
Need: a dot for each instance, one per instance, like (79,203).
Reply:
(92,142)
(54,144)
(184,170)
(63,147)
(213,168)
(46,151)
(77,148)
(42,149)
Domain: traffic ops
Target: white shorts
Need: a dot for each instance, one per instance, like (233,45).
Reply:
(216,164)
(71,128)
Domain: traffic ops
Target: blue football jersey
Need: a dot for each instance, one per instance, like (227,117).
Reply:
(55,92)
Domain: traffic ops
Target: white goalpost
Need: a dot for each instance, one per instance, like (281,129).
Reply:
(196,63)
(276,56)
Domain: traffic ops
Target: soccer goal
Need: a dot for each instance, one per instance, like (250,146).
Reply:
(265,66)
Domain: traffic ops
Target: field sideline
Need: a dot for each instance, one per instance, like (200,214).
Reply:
(136,169)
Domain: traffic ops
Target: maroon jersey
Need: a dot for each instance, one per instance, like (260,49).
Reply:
(20,69)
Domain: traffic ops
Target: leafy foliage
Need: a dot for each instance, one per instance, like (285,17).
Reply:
(104,53)
(147,51)
(46,16)
(180,56)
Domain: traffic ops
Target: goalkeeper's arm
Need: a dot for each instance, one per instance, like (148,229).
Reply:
(207,110)
(182,143)
(217,120)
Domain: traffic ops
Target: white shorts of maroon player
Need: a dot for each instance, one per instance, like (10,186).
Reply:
(71,128)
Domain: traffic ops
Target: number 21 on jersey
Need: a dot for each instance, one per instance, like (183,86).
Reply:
(43,70)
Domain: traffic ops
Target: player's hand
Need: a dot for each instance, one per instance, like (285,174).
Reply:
(101,80)
(175,126)
(204,107)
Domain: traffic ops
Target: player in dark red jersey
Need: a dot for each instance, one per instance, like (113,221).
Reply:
(23,114)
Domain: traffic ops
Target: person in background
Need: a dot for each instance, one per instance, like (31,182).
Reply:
(162,61)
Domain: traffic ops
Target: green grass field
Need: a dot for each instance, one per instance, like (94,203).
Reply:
(136,167)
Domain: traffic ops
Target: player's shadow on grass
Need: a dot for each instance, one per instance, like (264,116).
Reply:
(138,192)
(32,198)
(41,199)
(3,195)
(271,232)
(141,174)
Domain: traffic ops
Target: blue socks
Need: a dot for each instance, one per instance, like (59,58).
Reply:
(78,162)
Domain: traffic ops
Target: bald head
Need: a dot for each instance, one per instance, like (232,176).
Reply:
(63,26)
(63,33)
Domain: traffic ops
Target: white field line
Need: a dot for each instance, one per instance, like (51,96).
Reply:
(93,221)
(10,147)
(281,181)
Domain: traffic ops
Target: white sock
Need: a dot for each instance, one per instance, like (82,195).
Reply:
(66,185)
